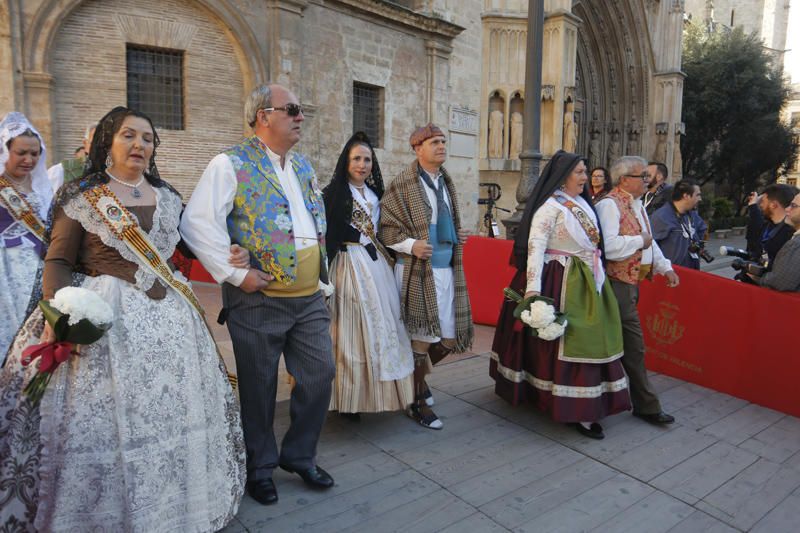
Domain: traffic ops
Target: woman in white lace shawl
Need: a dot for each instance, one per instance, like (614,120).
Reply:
(25,197)
(141,430)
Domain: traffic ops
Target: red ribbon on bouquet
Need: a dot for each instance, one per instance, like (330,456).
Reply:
(52,354)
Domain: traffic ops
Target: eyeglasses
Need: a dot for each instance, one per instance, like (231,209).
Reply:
(793,206)
(644,176)
(291,109)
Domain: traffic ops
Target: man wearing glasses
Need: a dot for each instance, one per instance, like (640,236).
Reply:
(785,273)
(632,256)
(264,197)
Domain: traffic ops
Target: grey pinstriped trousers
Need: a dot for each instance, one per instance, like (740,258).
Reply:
(261,328)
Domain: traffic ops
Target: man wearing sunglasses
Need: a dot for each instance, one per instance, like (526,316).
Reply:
(264,197)
(632,256)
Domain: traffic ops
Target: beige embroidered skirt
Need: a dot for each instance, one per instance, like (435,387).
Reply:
(374,362)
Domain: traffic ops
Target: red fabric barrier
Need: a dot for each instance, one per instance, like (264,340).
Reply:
(488,272)
(725,335)
(718,333)
(198,273)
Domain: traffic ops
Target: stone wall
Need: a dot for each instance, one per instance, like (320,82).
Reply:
(424,54)
(88,65)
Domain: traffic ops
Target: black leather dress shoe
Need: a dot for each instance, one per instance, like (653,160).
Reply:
(658,419)
(595,431)
(263,491)
(314,477)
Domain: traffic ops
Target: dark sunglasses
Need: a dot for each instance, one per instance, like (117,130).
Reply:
(291,109)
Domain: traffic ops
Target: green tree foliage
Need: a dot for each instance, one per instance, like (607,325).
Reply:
(732,100)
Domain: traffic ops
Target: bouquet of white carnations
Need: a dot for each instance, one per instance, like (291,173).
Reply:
(539,314)
(78,316)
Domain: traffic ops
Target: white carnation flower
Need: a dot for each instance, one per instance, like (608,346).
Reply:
(542,314)
(552,331)
(80,304)
(525,316)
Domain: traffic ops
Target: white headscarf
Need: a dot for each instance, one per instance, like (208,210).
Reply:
(12,126)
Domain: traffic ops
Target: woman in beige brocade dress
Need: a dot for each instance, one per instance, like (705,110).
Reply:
(374,363)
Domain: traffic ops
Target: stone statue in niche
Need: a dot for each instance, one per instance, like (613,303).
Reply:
(660,154)
(516,135)
(677,159)
(614,151)
(595,157)
(496,134)
(633,143)
(570,140)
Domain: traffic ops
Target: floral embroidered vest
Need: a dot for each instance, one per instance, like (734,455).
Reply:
(627,270)
(261,221)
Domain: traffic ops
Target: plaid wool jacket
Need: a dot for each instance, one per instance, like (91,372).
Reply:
(406,213)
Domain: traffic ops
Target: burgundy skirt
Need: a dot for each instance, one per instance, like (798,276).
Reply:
(527,369)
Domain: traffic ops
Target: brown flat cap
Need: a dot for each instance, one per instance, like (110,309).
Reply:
(424,133)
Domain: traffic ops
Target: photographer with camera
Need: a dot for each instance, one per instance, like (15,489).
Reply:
(766,230)
(785,271)
(678,228)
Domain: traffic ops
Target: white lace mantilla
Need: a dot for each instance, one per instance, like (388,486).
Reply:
(163,234)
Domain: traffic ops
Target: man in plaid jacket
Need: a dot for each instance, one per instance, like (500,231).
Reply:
(420,222)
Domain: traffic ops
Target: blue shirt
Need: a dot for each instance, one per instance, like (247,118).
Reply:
(673,233)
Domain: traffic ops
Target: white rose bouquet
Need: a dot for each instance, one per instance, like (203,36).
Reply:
(539,314)
(78,316)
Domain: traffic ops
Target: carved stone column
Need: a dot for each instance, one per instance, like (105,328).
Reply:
(285,31)
(39,105)
(558,70)
(438,76)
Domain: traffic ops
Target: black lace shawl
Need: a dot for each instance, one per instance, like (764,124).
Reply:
(553,176)
(339,199)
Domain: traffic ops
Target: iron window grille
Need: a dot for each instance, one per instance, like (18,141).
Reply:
(368,111)
(155,84)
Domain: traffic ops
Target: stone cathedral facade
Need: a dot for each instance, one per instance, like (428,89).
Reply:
(612,82)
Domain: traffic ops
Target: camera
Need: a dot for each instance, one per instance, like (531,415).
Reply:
(493,193)
(748,267)
(699,248)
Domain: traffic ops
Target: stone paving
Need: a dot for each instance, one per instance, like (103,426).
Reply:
(726,465)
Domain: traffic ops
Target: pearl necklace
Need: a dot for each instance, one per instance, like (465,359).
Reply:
(135,192)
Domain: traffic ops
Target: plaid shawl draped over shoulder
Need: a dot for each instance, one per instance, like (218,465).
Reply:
(405,214)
